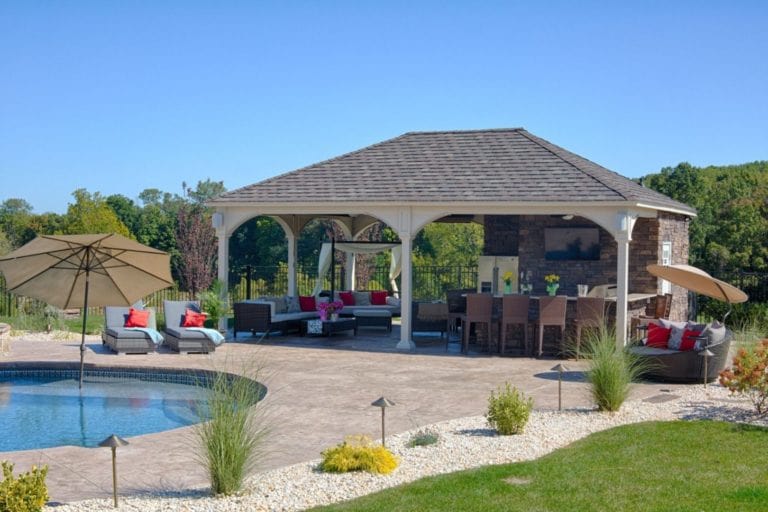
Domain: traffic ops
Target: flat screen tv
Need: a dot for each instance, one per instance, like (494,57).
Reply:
(572,243)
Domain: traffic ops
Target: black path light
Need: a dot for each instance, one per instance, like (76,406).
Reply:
(113,442)
(383,403)
(559,369)
(706,354)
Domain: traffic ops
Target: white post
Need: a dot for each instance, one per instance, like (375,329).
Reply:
(293,289)
(622,284)
(223,261)
(406,295)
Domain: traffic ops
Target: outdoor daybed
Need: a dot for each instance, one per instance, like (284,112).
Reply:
(184,339)
(129,340)
(687,366)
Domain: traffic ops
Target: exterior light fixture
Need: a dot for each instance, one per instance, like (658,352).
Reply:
(706,354)
(560,369)
(383,403)
(113,442)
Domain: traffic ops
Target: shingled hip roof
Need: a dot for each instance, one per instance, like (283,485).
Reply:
(504,165)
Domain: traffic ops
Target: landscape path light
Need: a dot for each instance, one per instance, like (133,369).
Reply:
(706,354)
(113,442)
(383,403)
(560,368)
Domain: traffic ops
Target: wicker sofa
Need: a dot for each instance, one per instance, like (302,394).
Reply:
(666,365)
(272,314)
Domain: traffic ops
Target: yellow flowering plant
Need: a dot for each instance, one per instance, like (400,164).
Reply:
(552,278)
(507,277)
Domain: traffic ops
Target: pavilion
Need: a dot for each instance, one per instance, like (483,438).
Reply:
(514,183)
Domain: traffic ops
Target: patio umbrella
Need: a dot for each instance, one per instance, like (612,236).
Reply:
(698,281)
(86,270)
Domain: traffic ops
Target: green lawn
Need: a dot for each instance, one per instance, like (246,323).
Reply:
(664,466)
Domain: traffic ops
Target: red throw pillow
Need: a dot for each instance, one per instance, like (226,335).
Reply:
(193,319)
(689,339)
(658,336)
(347,298)
(307,303)
(379,298)
(137,318)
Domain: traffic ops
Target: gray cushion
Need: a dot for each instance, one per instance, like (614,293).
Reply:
(175,311)
(362,298)
(187,334)
(292,305)
(115,317)
(715,333)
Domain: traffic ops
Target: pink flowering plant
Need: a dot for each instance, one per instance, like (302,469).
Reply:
(326,308)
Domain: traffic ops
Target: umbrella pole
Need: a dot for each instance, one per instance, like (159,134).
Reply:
(85,321)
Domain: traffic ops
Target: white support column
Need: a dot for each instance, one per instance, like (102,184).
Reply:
(223,259)
(293,289)
(350,277)
(622,286)
(406,295)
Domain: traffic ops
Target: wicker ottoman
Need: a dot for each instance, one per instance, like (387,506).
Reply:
(373,318)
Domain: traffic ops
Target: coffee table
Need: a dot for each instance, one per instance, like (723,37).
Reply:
(328,327)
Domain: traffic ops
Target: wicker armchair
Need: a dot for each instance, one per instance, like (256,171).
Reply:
(430,318)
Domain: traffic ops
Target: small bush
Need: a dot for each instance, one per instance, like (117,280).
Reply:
(231,432)
(358,453)
(423,438)
(748,375)
(612,369)
(25,493)
(509,410)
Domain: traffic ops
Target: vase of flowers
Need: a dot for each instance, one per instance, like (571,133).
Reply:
(507,277)
(330,310)
(553,283)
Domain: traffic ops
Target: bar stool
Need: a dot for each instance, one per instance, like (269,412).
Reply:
(551,313)
(514,311)
(479,311)
(590,312)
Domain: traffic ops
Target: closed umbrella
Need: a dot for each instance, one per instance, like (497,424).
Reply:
(698,281)
(86,270)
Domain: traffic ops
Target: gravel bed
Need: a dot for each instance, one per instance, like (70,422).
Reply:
(463,443)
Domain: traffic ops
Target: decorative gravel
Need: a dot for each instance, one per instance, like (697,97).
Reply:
(463,443)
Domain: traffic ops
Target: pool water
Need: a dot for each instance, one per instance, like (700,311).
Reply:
(41,411)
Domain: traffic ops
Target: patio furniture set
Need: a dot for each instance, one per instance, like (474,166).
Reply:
(301,315)
(133,330)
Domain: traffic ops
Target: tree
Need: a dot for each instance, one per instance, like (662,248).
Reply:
(196,242)
(15,221)
(90,213)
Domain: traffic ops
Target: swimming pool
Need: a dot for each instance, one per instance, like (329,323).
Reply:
(42,407)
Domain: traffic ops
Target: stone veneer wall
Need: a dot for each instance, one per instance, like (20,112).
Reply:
(674,228)
(523,236)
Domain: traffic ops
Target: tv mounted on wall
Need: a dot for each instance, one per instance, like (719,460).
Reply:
(572,243)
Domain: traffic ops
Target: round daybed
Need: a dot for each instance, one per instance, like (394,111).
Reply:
(665,365)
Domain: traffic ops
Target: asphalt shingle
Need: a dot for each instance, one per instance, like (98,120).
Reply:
(503,165)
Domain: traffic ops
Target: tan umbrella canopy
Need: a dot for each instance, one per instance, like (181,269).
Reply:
(698,281)
(86,270)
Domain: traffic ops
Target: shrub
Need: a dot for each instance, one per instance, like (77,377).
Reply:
(612,369)
(358,453)
(748,375)
(231,437)
(25,493)
(212,303)
(509,410)
(423,438)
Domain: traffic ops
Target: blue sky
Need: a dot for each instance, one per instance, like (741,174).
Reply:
(120,96)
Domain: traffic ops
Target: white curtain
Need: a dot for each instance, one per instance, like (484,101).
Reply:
(324,262)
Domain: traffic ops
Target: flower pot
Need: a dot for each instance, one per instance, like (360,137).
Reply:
(552,288)
(334,317)
(507,287)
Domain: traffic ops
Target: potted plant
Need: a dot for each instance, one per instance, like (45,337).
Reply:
(213,305)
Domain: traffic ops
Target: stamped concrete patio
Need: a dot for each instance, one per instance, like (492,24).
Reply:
(320,390)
